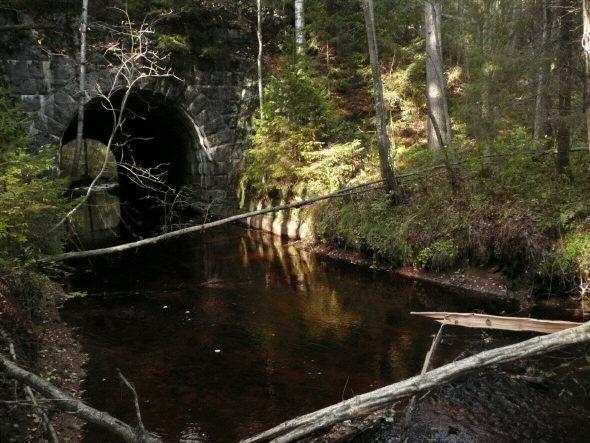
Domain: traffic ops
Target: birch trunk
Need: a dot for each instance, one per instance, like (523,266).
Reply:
(435,83)
(540,113)
(565,87)
(586,49)
(82,89)
(384,142)
(259,60)
(299,26)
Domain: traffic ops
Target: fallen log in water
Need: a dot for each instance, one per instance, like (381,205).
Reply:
(197,228)
(484,321)
(364,404)
(69,404)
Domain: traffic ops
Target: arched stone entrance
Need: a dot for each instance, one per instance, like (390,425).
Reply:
(155,150)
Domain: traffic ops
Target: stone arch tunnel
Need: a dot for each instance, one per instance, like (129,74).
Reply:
(203,111)
(155,133)
(155,137)
(198,118)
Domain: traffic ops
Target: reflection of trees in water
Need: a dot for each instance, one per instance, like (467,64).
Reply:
(295,333)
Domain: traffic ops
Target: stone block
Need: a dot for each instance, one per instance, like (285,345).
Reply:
(31,103)
(62,70)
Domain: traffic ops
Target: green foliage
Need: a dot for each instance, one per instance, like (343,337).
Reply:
(569,260)
(173,43)
(333,167)
(299,120)
(30,198)
(442,255)
(13,126)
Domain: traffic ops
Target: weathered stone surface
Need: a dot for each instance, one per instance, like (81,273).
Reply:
(212,96)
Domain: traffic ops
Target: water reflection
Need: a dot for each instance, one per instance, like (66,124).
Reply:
(227,333)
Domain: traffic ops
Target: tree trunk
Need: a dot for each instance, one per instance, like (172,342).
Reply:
(259,60)
(69,404)
(299,26)
(197,228)
(586,49)
(565,87)
(364,404)
(435,82)
(487,129)
(384,143)
(540,113)
(82,89)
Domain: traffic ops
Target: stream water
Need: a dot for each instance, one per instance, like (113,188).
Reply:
(227,333)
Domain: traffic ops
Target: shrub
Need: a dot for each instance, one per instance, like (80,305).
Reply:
(31,201)
(441,255)
(299,120)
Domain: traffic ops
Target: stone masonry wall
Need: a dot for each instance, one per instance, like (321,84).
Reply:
(212,97)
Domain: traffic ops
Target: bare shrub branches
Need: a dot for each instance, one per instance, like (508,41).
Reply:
(69,404)
(134,64)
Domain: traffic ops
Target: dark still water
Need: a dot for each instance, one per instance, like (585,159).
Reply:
(227,333)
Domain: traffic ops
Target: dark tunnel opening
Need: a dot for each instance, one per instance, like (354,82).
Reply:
(156,137)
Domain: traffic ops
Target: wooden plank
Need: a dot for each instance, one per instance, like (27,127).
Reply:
(471,320)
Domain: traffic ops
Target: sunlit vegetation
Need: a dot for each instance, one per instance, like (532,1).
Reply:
(511,211)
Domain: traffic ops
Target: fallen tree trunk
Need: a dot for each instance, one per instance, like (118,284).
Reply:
(364,404)
(69,404)
(204,226)
(197,228)
(484,321)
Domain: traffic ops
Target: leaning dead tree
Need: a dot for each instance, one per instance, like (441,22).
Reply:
(364,404)
(73,406)
(134,63)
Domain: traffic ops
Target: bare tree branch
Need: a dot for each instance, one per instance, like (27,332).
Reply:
(69,404)
(135,63)
(135,401)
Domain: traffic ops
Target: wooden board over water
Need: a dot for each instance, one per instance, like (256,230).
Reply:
(471,320)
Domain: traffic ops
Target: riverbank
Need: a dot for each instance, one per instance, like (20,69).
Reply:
(47,347)
(469,283)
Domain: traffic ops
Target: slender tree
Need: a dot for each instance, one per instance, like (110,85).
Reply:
(299,26)
(435,82)
(384,142)
(565,86)
(259,60)
(586,51)
(540,112)
(82,87)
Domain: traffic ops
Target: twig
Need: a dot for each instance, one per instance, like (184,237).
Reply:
(40,412)
(135,401)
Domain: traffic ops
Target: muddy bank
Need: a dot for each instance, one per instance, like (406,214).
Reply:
(46,346)
(471,283)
